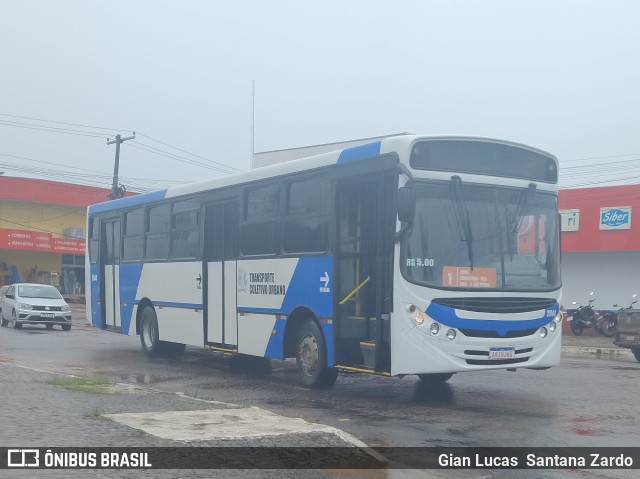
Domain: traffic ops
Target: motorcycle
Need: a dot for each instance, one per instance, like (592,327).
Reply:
(584,317)
(607,323)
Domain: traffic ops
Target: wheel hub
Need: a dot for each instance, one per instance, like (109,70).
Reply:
(309,355)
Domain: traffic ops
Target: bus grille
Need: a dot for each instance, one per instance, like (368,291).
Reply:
(496,305)
(477,333)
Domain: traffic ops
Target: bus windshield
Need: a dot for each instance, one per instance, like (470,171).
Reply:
(469,236)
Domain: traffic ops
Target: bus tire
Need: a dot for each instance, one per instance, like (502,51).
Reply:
(149,338)
(311,358)
(436,378)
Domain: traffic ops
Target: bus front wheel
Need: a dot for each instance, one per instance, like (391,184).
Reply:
(311,358)
(149,338)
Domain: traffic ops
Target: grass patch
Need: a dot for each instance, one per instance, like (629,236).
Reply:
(97,413)
(85,384)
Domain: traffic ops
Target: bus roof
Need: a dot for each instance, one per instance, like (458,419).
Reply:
(400,144)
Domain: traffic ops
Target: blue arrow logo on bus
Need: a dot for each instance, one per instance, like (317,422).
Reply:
(326,279)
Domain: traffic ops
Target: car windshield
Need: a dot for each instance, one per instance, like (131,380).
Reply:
(468,236)
(44,292)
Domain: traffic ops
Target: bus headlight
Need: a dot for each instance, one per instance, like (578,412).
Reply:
(419,317)
(451,334)
(434,328)
(552,326)
(543,332)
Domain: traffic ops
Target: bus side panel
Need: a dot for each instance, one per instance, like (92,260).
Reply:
(95,310)
(255,332)
(270,289)
(175,289)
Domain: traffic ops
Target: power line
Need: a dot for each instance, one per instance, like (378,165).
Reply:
(62,122)
(98,173)
(52,129)
(157,151)
(192,154)
(601,157)
(80,132)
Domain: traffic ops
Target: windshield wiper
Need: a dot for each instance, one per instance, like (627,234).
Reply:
(462,215)
(521,207)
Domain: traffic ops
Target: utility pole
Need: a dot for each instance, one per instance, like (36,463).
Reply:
(116,190)
(253,122)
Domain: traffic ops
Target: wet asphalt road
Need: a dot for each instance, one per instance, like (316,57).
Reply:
(583,402)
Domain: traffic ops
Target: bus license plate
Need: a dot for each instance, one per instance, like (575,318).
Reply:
(47,315)
(501,353)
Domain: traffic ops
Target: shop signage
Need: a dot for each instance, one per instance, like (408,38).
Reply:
(570,220)
(615,218)
(39,241)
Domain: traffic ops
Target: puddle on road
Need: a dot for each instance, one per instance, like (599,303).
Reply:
(148,378)
(583,426)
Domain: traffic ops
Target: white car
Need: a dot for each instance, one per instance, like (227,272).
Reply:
(27,303)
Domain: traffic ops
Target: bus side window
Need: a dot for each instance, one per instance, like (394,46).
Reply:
(261,220)
(94,239)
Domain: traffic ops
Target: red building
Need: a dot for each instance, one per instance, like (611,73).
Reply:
(42,233)
(600,244)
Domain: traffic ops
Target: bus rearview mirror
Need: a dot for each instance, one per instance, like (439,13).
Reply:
(406,204)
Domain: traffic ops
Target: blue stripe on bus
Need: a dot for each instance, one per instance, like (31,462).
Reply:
(130,274)
(448,317)
(306,286)
(128,201)
(327,329)
(275,346)
(172,304)
(361,152)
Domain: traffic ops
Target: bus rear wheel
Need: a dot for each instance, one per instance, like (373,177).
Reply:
(436,378)
(149,339)
(311,358)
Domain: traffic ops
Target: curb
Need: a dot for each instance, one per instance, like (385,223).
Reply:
(598,352)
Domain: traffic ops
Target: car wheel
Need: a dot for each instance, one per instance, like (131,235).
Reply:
(3,322)
(149,338)
(65,327)
(49,326)
(14,321)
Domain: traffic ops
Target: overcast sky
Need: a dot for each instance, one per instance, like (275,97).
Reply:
(563,76)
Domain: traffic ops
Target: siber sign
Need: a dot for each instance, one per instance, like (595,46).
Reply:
(615,218)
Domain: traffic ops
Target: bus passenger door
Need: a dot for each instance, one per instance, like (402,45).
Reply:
(363,269)
(220,254)
(110,254)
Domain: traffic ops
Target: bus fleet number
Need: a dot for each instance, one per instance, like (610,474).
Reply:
(420,262)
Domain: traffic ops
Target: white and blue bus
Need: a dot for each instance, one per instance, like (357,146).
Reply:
(411,255)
